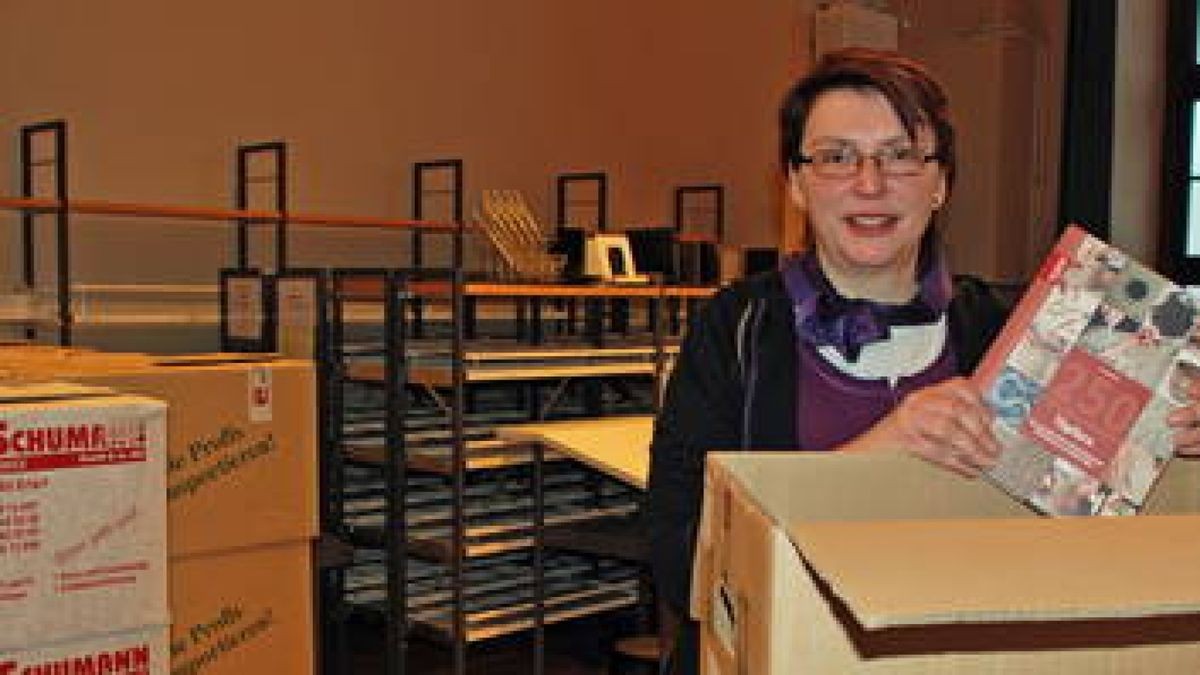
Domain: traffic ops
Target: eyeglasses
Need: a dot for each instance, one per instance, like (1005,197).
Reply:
(847,161)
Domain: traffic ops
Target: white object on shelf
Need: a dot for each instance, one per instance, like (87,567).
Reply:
(608,257)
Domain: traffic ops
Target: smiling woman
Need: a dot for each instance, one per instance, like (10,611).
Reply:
(860,344)
(867,219)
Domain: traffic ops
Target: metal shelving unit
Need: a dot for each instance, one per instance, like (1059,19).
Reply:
(448,519)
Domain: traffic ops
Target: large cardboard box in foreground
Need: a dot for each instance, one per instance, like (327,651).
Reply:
(82,514)
(242,439)
(881,563)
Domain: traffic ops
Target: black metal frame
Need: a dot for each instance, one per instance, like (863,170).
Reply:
(396,304)
(689,256)
(329,576)
(279,181)
(459,453)
(563,185)
(565,182)
(716,190)
(420,191)
(420,173)
(29,189)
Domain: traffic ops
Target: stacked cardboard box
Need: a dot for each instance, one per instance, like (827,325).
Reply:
(83,559)
(865,563)
(241,498)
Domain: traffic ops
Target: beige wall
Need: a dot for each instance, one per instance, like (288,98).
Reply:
(660,93)
(157,95)
(1001,62)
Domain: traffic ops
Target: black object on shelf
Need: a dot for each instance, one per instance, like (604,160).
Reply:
(654,251)
(570,242)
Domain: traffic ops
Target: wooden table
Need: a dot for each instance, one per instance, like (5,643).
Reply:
(616,446)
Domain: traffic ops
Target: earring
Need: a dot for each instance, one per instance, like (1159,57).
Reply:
(938,200)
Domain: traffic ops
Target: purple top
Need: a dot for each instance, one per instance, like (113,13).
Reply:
(833,406)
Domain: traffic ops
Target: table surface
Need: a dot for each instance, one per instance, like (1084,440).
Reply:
(617,446)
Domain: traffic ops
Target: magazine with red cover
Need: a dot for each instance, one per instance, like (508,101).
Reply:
(1097,353)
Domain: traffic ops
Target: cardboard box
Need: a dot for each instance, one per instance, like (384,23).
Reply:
(82,513)
(243,611)
(881,563)
(136,652)
(242,440)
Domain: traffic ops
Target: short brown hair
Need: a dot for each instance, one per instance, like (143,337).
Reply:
(907,85)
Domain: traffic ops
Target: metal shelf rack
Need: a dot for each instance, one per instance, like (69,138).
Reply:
(415,419)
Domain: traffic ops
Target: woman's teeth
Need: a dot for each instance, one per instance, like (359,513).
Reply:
(870,221)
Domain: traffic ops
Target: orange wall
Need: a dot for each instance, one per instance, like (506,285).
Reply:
(157,95)
(656,93)
(1001,63)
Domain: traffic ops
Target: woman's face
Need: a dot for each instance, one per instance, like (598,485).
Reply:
(867,222)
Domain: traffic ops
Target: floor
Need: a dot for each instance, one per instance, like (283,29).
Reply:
(580,647)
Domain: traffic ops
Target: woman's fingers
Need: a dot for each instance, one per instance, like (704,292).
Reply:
(951,427)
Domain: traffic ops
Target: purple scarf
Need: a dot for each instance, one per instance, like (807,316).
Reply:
(825,318)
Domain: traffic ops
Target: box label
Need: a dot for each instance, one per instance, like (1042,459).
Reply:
(36,446)
(261,395)
(82,519)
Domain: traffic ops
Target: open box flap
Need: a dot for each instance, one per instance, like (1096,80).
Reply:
(952,571)
(790,486)
(903,542)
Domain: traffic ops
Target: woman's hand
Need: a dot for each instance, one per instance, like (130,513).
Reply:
(1186,423)
(947,424)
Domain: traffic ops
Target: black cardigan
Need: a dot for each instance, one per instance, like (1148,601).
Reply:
(734,386)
